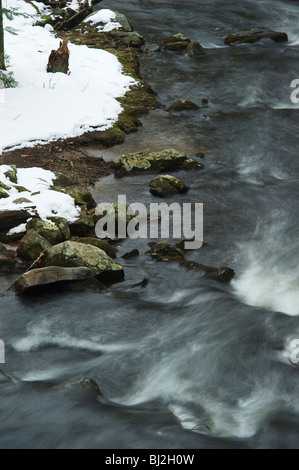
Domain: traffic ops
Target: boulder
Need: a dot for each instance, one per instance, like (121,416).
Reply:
(102,244)
(83,226)
(49,275)
(182,105)
(125,24)
(63,226)
(31,245)
(255,34)
(10,219)
(194,49)
(72,254)
(177,42)
(47,230)
(164,160)
(164,185)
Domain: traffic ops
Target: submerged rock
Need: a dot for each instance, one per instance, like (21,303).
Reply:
(164,185)
(72,254)
(164,251)
(49,275)
(164,160)
(182,105)
(255,34)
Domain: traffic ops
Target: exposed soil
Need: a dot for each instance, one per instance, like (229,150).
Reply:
(63,156)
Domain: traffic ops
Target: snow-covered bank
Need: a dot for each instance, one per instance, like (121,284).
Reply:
(38,199)
(48,106)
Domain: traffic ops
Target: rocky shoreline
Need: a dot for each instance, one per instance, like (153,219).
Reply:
(54,250)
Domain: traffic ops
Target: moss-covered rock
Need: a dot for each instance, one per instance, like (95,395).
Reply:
(12,174)
(71,254)
(49,230)
(253,35)
(81,195)
(192,164)
(102,244)
(63,226)
(5,186)
(182,105)
(112,136)
(194,49)
(83,226)
(177,42)
(164,185)
(164,251)
(164,160)
(3,193)
(31,245)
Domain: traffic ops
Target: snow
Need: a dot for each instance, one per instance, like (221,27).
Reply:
(48,106)
(106,17)
(43,201)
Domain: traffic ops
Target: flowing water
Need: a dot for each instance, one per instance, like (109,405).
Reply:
(183,351)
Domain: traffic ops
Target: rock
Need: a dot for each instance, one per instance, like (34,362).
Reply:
(223,274)
(192,164)
(194,49)
(165,160)
(62,181)
(49,275)
(131,39)
(182,105)
(31,245)
(102,244)
(255,34)
(81,195)
(177,42)
(81,383)
(5,186)
(131,254)
(21,200)
(6,260)
(164,185)
(59,59)
(151,48)
(83,226)
(73,20)
(125,24)
(47,230)
(12,174)
(3,193)
(63,226)
(3,249)
(72,254)
(10,219)
(164,251)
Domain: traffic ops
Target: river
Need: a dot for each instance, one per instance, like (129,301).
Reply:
(183,362)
